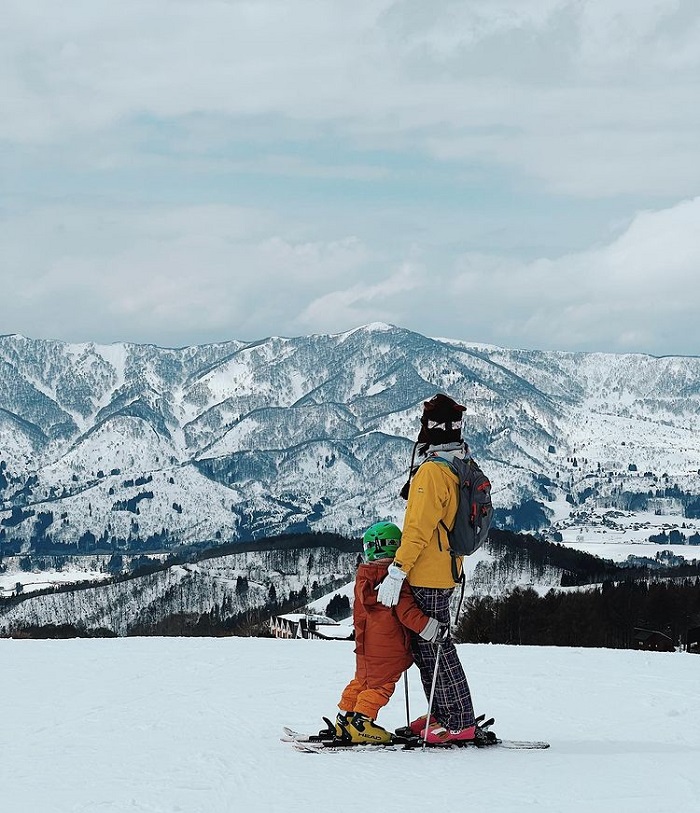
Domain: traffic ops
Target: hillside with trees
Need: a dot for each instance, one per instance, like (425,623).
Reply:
(234,590)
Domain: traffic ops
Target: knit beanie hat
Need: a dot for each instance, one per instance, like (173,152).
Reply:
(441,421)
(440,424)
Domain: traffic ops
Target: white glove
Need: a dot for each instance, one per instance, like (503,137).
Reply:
(435,632)
(389,589)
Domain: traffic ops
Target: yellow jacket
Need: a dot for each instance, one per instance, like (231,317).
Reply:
(424,552)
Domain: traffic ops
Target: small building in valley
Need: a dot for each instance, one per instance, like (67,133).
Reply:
(653,640)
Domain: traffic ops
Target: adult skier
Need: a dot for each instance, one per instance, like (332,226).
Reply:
(423,559)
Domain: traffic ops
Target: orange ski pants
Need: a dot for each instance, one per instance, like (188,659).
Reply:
(358,696)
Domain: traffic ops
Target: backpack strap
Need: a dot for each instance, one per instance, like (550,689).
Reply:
(461,599)
(457,576)
(411,471)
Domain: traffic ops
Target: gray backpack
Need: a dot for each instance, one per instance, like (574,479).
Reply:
(474,512)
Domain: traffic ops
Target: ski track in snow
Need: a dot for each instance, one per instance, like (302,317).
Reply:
(192,725)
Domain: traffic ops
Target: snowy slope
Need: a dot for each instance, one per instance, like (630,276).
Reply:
(192,725)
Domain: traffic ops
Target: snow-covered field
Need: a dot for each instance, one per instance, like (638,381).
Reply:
(93,568)
(39,579)
(191,725)
(618,534)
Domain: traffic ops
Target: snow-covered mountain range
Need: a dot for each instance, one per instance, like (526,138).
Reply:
(122,442)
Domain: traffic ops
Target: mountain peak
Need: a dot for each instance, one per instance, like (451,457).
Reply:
(125,442)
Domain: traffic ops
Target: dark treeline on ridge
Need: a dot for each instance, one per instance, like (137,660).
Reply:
(610,615)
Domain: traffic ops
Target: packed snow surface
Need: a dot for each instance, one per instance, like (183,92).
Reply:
(192,725)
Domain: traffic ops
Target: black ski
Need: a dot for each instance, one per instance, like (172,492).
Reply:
(329,746)
(326,742)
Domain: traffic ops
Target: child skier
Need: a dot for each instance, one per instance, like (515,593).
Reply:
(382,640)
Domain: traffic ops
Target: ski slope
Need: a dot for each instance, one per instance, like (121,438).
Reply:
(192,725)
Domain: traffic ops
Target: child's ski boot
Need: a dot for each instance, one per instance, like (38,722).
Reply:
(364,731)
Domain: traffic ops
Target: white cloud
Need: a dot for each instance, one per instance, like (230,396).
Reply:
(637,293)
(359,141)
(597,98)
(172,275)
(196,274)
(364,302)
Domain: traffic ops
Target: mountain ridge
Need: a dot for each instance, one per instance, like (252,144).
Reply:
(253,438)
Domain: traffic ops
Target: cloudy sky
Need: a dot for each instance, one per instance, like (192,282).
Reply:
(517,172)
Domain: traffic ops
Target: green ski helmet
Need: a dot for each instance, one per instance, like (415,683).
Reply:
(381,540)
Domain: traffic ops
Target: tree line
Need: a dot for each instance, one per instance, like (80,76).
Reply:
(609,615)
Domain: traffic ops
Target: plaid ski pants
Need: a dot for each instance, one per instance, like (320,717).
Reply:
(452,705)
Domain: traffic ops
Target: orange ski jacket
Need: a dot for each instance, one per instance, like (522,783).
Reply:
(382,638)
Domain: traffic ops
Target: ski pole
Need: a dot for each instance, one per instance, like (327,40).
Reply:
(405,687)
(432,696)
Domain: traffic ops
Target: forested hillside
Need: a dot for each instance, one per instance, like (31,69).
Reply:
(209,594)
(236,590)
(614,614)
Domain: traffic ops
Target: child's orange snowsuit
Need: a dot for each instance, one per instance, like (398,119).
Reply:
(382,641)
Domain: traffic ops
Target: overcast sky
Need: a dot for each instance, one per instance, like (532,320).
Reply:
(518,172)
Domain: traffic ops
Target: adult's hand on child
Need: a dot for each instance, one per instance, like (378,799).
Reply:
(389,589)
(435,632)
